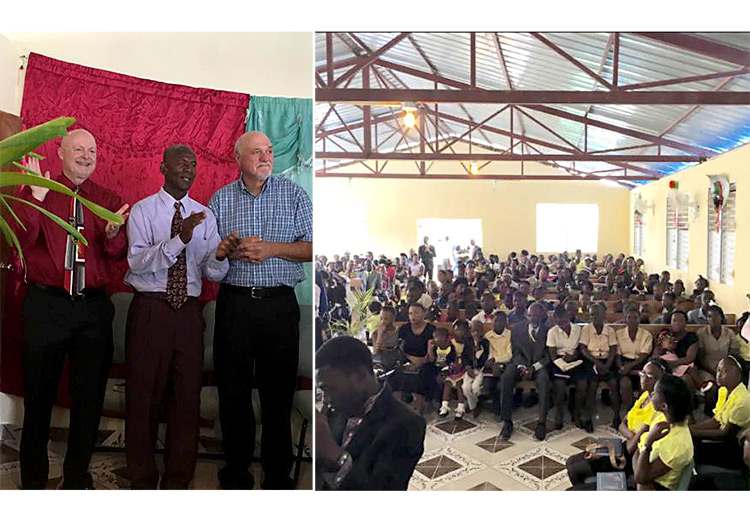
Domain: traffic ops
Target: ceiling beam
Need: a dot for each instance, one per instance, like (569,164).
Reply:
(654,139)
(567,56)
(684,80)
(460,176)
(477,96)
(577,157)
(702,46)
(371,57)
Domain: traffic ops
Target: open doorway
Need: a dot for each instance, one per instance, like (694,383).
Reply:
(450,237)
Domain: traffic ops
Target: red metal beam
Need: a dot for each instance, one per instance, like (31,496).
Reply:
(616,65)
(329,58)
(473,59)
(579,157)
(475,126)
(572,60)
(683,80)
(458,176)
(623,131)
(703,47)
(366,118)
(478,96)
(372,57)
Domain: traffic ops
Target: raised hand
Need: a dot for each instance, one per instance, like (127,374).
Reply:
(228,246)
(37,192)
(189,224)
(112,229)
(657,432)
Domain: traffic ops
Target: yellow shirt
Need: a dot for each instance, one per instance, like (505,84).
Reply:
(500,349)
(733,408)
(675,450)
(744,349)
(598,344)
(459,348)
(641,415)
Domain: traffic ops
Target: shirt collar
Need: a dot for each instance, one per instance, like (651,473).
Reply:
(84,187)
(169,201)
(241,186)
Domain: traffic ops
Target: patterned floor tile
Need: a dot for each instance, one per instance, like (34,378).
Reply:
(495,444)
(8,454)
(455,426)
(542,467)
(442,466)
(436,467)
(485,486)
(539,469)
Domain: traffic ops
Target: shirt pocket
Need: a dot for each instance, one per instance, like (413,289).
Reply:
(279,226)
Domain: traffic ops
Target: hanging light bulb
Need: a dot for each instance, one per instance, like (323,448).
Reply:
(410,117)
(473,168)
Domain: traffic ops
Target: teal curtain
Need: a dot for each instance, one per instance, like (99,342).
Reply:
(288,123)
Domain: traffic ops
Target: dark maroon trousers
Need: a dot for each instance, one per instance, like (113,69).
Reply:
(164,367)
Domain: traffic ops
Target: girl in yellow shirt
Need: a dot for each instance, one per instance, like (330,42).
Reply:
(716,438)
(667,447)
(582,466)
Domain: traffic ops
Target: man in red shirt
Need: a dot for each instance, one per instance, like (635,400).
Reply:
(66,311)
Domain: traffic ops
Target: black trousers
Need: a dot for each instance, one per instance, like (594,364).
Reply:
(428,269)
(256,338)
(511,377)
(55,327)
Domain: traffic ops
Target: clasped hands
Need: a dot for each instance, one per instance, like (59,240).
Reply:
(252,249)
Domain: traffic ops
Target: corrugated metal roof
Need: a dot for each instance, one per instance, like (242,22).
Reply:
(532,65)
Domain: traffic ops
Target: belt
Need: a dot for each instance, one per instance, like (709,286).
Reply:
(86,295)
(256,292)
(162,295)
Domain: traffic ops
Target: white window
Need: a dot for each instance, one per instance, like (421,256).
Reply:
(638,234)
(561,227)
(721,239)
(678,235)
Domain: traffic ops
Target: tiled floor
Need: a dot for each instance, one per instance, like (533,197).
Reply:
(109,468)
(469,455)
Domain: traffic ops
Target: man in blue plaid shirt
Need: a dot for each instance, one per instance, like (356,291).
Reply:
(257,315)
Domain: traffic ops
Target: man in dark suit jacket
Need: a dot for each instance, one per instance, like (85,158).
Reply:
(530,360)
(371,441)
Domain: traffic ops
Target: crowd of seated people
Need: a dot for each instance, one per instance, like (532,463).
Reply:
(564,327)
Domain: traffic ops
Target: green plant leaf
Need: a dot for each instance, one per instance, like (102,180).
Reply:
(35,155)
(10,236)
(10,210)
(66,225)
(12,178)
(20,144)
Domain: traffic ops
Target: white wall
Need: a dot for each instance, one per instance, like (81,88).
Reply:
(9,74)
(269,64)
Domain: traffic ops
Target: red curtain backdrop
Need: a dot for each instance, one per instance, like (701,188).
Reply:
(133,121)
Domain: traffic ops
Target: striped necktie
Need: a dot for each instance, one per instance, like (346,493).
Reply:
(74,280)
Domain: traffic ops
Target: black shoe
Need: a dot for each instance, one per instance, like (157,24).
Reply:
(507,430)
(541,431)
(85,482)
(233,481)
(588,426)
(517,397)
(281,483)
